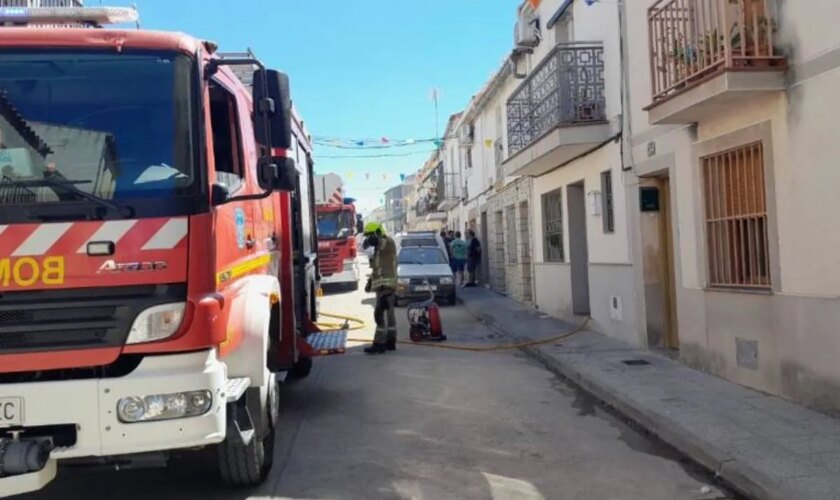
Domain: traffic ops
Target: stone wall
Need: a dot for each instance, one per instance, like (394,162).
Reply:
(512,276)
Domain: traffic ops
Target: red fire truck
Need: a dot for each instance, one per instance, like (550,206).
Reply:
(337,227)
(157,248)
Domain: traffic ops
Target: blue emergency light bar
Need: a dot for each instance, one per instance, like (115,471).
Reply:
(14,12)
(349,201)
(68,15)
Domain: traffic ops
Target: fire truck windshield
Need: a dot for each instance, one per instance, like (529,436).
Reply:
(117,126)
(334,225)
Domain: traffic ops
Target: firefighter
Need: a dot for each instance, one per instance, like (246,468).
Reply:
(383,282)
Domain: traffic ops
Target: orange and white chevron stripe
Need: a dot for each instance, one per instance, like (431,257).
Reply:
(31,252)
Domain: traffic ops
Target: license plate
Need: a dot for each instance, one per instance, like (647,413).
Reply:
(425,288)
(11,412)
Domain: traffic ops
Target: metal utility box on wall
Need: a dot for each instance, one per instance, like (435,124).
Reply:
(649,199)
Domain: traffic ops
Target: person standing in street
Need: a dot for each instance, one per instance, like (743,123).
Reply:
(459,257)
(383,282)
(447,240)
(473,257)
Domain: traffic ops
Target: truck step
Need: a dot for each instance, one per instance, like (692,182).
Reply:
(236,387)
(328,342)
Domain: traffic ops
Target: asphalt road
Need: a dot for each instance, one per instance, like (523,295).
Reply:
(428,423)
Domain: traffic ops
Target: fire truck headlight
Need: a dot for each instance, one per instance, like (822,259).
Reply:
(349,264)
(135,409)
(157,323)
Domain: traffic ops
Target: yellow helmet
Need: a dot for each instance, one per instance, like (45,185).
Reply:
(373,228)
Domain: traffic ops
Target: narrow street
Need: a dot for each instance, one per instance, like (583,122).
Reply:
(429,423)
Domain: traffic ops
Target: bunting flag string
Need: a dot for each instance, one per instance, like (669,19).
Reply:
(369,143)
(367,175)
(382,143)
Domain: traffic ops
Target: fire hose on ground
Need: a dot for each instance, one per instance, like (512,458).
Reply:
(359,324)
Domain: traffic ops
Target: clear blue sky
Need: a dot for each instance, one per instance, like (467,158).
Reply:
(360,68)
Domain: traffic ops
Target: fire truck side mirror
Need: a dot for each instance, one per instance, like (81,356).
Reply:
(278,176)
(272,109)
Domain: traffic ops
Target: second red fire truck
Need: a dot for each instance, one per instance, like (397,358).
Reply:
(337,228)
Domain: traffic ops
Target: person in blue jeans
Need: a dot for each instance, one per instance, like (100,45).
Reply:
(459,249)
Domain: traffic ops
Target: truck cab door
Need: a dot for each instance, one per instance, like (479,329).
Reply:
(236,243)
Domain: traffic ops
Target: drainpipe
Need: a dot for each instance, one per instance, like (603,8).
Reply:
(627,161)
(631,182)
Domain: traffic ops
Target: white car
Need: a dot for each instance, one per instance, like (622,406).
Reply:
(424,270)
(421,239)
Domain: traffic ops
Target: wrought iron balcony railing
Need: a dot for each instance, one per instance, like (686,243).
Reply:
(565,89)
(690,40)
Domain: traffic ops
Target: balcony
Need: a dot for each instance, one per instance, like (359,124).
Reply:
(707,55)
(559,111)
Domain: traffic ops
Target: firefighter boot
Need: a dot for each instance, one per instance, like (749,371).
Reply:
(391,344)
(375,349)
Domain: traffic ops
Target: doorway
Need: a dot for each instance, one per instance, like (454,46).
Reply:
(525,257)
(578,249)
(659,268)
(497,273)
(483,266)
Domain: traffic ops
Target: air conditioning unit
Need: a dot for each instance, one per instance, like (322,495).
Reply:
(527,32)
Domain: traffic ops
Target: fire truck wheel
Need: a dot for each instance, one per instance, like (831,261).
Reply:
(248,465)
(301,369)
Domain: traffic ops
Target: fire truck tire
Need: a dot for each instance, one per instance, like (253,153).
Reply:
(248,465)
(301,369)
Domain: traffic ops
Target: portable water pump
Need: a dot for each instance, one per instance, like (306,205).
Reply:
(424,320)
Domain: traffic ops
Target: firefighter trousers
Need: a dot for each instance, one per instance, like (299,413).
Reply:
(385,316)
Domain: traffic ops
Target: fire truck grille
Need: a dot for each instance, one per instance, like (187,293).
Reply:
(330,262)
(54,339)
(53,320)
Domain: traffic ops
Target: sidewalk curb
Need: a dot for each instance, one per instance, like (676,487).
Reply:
(737,475)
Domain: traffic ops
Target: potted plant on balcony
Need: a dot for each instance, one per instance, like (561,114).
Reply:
(750,35)
(712,47)
(683,55)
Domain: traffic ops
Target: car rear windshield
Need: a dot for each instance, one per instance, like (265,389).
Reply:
(418,242)
(416,255)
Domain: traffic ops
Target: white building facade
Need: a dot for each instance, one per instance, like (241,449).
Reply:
(667,167)
(733,110)
(563,129)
